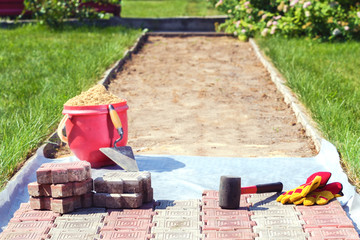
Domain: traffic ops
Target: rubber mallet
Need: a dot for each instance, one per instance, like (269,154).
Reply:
(230,191)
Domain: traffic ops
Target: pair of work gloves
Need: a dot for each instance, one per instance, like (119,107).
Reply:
(314,191)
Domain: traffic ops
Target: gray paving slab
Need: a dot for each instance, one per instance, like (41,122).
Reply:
(22,235)
(176,224)
(59,235)
(287,212)
(280,233)
(274,222)
(178,213)
(243,234)
(180,204)
(178,235)
(177,220)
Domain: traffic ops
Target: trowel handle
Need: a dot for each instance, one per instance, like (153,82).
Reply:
(116,121)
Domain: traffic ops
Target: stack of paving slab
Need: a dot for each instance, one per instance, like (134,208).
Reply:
(62,187)
(123,190)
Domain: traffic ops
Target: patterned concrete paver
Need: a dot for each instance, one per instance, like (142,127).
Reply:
(258,217)
(177,220)
(82,224)
(275,220)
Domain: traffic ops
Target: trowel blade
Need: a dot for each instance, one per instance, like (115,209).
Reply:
(122,156)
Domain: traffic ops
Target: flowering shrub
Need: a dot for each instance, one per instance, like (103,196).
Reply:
(317,19)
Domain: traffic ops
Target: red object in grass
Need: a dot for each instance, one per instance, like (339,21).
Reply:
(13,8)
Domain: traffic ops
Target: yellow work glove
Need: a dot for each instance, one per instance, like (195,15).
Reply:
(316,180)
(323,195)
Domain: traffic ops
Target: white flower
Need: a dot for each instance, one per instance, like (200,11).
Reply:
(346,28)
(286,8)
(277,17)
(243,30)
(218,3)
(273,29)
(307,14)
(306,4)
(264,32)
(293,2)
(269,23)
(336,32)
(358,14)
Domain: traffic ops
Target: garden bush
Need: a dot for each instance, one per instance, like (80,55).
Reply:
(54,12)
(316,19)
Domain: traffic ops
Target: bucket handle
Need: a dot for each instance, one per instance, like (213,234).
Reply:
(61,127)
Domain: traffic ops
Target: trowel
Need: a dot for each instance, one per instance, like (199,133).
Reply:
(123,155)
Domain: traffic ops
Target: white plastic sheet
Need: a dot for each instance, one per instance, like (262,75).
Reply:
(185,177)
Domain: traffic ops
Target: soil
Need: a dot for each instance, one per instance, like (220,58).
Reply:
(206,96)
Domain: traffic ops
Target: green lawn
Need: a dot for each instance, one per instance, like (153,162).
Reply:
(325,76)
(40,69)
(166,8)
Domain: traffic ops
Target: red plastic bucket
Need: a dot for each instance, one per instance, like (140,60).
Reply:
(89,128)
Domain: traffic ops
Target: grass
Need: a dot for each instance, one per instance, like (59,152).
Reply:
(325,76)
(166,8)
(40,69)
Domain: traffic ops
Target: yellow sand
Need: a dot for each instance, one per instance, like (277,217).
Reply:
(97,95)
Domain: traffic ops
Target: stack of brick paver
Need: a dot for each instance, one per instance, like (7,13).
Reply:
(123,190)
(62,187)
